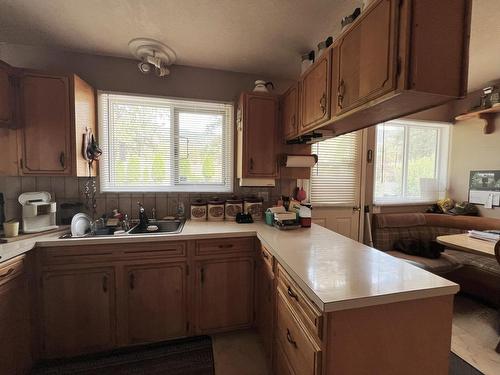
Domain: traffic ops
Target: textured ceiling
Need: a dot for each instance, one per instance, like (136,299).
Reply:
(253,36)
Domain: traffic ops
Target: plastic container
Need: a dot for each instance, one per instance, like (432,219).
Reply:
(11,229)
(215,210)
(269,217)
(199,210)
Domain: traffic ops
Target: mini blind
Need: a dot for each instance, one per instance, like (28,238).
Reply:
(162,144)
(335,178)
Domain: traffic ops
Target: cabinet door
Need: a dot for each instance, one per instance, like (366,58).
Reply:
(265,306)
(289,112)
(367,64)
(15,331)
(280,363)
(78,311)
(156,302)
(7,102)
(260,132)
(315,93)
(224,294)
(45,108)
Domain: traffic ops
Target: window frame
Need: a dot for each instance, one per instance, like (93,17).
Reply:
(443,148)
(175,187)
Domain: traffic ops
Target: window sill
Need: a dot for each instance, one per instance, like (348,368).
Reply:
(402,204)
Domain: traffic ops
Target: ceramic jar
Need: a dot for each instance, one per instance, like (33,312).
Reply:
(199,210)
(253,206)
(233,207)
(215,210)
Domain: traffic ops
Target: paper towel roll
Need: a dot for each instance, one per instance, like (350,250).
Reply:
(300,161)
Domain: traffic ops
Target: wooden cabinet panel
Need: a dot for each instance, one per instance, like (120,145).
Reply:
(15,325)
(7,96)
(258,134)
(45,140)
(315,93)
(224,246)
(224,294)
(265,302)
(289,112)
(367,60)
(156,300)
(78,307)
(281,364)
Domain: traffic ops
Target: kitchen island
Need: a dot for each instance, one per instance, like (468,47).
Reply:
(338,306)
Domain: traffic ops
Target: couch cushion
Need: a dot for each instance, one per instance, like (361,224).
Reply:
(468,259)
(445,263)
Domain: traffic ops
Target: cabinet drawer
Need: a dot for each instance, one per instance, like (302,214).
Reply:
(307,312)
(224,246)
(267,259)
(301,351)
(11,269)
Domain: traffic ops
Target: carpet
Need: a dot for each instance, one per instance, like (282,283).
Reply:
(460,367)
(192,356)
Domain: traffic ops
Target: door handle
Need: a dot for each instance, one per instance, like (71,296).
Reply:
(340,94)
(251,163)
(131,281)
(62,159)
(356,208)
(290,339)
(105,284)
(202,275)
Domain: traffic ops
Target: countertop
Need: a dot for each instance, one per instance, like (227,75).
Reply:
(334,271)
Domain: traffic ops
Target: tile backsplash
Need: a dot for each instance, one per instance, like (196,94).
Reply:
(71,190)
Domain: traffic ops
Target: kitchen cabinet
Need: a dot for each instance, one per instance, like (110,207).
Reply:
(280,364)
(265,300)
(224,294)
(78,311)
(367,57)
(55,110)
(156,301)
(7,96)
(257,126)
(289,112)
(315,93)
(15,325)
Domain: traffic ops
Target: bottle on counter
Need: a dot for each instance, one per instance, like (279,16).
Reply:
(215,209)
(199,210)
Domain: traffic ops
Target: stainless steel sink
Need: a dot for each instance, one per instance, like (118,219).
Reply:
(164,226)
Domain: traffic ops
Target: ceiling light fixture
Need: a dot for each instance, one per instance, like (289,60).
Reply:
(153,55)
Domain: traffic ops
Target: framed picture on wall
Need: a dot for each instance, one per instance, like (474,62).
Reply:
(484,188)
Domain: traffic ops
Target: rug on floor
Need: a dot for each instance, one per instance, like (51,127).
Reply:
(192,356)
(460,367)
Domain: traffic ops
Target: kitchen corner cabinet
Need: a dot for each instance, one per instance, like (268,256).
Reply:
(78,311)
(264,292)
(315,93)
(156,302)
(8,118)
(257,130)
(54,111)
(290,112)
(15,324)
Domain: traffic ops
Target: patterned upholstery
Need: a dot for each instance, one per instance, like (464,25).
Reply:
(467,259)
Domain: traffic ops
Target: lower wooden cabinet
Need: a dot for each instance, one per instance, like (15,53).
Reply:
(264,308)
(224,294)
(15,325)
(281,366)
(78,308)
(156,302)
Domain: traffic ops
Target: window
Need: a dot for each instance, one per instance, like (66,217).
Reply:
(411,162)
(335,179)
(161,144)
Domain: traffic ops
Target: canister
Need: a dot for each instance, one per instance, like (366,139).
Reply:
(233,207)
(215,209)
(199,210)
(253,206)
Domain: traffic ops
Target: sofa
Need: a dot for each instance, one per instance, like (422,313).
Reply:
(477,275)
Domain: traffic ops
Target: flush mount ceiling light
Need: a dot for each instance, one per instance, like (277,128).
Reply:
(153,55)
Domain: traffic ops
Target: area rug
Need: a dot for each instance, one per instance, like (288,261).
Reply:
(192,356)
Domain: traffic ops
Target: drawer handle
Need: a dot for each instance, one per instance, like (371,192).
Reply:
(290,339)
(251,163)
(292,294)
(202,275)
(227,246)
(340,94)
(322,103)
(132,281)
(264,254)
(62,160)
(105,284)
(7,273)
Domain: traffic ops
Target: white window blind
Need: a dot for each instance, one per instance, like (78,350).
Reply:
(162,144)
(335,178)
(411,162)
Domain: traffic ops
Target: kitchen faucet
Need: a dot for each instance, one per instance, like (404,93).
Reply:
(143,218)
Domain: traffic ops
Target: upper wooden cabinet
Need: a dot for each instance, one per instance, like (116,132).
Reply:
(290,112)
(257,126)
(55,110)
(315,93)
(7,96)
(366,65)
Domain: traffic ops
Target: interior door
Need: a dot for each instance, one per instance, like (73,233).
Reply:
(335,185)
(45,102)
(78,311)
(224,298)
(156,302)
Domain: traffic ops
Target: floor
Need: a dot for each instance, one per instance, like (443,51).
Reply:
(239,353)
(475,334)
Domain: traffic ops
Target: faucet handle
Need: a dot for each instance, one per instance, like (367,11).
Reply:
(153,213)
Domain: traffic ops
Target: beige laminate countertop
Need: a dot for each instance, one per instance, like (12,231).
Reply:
(335,272)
